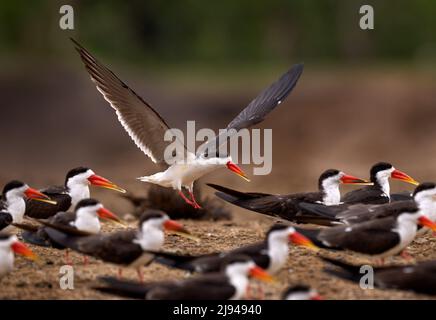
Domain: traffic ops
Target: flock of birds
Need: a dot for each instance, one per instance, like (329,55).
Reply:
(369,220)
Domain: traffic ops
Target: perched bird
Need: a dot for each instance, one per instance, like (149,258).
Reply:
(287,206)
(230,283)
(76,188)
(83,221)
(379,192)
(9,245)
(424,198)
(379,238)
(148,129)
(126,248)
(300,292)
(270,254)
(13,204)
(420,278)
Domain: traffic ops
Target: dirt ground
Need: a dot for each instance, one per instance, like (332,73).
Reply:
(41,281)
(345,120)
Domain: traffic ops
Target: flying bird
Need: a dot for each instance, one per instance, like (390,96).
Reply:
(147,128)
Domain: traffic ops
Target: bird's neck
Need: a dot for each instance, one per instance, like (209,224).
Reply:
(6,260)
(383,184)
(150,238)
(330,193)
(78,192)
(278,251)
(239,282)
(428,206)
(16,206)
(88,222)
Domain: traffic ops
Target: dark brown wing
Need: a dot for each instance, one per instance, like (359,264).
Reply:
(5,220)
(117,247)
(143,124)
(283,206)
(366,195)
(41,210)
(260,107)
(372,237)
(205,287)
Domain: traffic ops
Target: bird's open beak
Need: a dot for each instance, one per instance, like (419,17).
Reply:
(108,215)
(233,167)
(426,222)
(21,249)
(38,196)
(349,179)
(397,174)
(99,181)
(298,239)
(261,274)
(178,228)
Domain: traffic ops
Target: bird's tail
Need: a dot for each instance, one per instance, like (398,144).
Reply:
(259,202)
(123,288)
(344,270)
(175,261)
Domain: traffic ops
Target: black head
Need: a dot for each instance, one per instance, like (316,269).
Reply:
(75,172)
(277,227)
(86,203)
(151,214)
(381,166)
(424,186)
(235,258)
(4,236)
(14,184)
(325,175)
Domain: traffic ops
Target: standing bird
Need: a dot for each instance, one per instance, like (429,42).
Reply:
(230,283)
(379,192)
(75,188)
(13,203)
(287,206)
(380,238)
(8,246)
(424,198)
(148,129)
(126,248)
(83,221)
(300,292)
(420,278)
(270,254)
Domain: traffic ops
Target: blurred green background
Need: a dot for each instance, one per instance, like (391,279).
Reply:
(365,95)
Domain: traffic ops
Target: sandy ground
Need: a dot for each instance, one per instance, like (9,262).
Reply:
(41,281)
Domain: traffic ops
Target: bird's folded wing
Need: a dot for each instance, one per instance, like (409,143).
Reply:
(144,125)
(259,108)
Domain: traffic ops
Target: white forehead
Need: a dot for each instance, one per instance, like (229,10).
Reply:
(155,222)
(8,241)
(426,193)
(93,209)
(386,172)
(81,176)
(333,179)
(19,190)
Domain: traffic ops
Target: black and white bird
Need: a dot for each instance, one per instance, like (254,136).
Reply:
(75,188)
(287,206)
(270,254)
(420,277)
(13,203)
(380,191)
(231,283)
(379,238)
(9,245)
(301,292)
(423,197)
(125,248)
(83,221)
(148,129)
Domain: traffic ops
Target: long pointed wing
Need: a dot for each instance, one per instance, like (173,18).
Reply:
(260,107)
(144,125)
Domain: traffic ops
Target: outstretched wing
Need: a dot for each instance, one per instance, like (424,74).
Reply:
(144,125)
(260,107)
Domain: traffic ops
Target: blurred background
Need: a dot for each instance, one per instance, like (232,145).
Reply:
(365,95)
